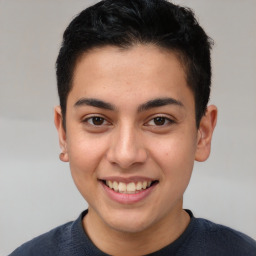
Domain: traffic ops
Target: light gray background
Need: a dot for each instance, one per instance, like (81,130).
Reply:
(36,189)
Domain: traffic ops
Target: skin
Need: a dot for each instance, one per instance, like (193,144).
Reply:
(127,141)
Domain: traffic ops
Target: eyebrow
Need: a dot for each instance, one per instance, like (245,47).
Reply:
(94,103)
(159,102)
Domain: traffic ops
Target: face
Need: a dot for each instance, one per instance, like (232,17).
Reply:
(131,136)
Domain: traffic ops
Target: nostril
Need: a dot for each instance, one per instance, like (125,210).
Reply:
(126,148)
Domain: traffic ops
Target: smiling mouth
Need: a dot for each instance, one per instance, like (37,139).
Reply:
(129,188)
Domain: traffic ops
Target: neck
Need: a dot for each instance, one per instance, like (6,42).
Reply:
(114,242)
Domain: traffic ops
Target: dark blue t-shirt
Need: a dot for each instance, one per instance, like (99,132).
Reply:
(201,238)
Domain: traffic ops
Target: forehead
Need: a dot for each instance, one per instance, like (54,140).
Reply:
(145,70)
(140,58)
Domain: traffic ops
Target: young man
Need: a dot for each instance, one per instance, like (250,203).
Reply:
(134,82)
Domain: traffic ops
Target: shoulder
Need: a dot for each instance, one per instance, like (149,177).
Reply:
(50,243)
(223,240)
(66,240)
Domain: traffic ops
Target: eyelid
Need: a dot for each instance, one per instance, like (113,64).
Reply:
(91,116)
(167,118)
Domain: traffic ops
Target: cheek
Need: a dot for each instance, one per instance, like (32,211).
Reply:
(84,150)
(85,155)
(175,156)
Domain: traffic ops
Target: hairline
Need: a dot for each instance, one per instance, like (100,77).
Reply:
(179,54)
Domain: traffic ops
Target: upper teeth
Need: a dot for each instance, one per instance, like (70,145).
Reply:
(129,188)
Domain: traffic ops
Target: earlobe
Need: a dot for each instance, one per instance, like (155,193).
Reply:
(62,134)
(205,132)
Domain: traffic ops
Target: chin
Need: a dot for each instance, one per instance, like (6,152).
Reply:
(129,222)
(129,227)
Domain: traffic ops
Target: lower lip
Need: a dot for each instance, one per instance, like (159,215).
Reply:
(128,198)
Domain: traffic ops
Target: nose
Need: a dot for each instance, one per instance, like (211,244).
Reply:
(126,147)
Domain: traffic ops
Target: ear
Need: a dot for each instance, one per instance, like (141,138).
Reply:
(62,134)
(205,131)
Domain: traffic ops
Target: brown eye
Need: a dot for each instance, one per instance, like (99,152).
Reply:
(97,120)
(159,120)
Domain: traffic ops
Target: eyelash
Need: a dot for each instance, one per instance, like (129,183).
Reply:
(92,118)
(164,121)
